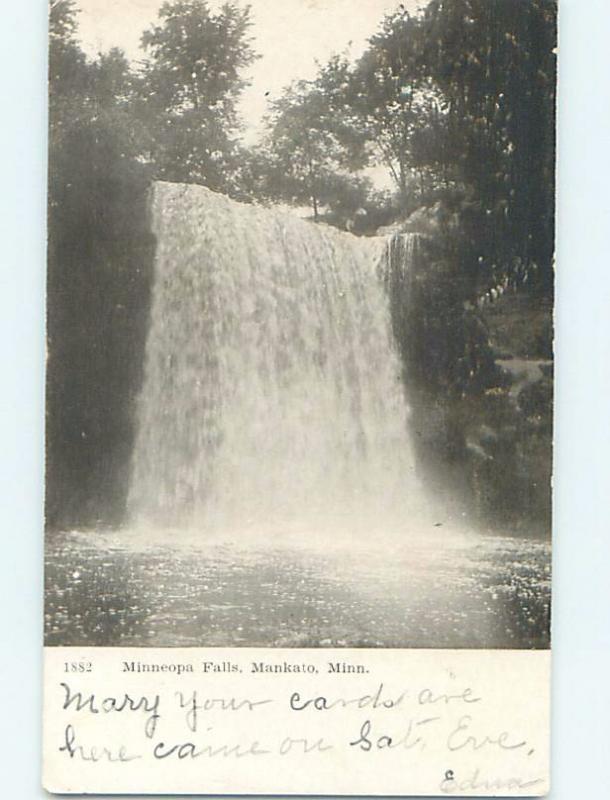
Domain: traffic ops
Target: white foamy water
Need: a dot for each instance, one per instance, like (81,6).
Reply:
(272,399)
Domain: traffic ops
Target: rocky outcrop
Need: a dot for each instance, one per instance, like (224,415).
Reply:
(480,382)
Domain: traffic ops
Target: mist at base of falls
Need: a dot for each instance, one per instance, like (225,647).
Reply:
(154,589)
(273,403)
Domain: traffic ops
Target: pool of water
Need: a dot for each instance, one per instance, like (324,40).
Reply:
(124,588)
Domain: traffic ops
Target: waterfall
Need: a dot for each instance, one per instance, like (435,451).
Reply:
(272,396)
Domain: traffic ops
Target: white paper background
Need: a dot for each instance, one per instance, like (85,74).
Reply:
(582,537)
(443,709)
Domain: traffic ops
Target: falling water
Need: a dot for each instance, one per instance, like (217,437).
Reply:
(272,397)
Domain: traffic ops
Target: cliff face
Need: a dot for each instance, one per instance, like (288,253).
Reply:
(99,276)
(480,382)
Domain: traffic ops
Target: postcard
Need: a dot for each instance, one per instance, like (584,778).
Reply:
(299,397)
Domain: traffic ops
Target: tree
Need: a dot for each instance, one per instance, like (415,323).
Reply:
(312,148)
(65,56)
(461,99)
(190,86)
(495,63)
(396,102)
(99,257)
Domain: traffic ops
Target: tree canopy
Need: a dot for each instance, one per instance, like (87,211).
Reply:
(312,151)
(189,90)
(456,102)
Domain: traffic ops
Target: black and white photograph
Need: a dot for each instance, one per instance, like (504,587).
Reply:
(299,382)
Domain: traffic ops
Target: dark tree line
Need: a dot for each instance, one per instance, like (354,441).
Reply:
(99,249)
(458,103)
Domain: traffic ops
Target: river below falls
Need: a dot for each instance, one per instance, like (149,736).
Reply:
(474,591)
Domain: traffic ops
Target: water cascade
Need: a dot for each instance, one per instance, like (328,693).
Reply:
(272,398)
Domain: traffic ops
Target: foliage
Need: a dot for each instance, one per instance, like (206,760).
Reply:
(98,253)
(311,146)
(464,95)
(189,90)
(458,103)
(394,101)
(65,57)
(495,63)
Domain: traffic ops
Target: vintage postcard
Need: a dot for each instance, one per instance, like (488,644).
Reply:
(299,397)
